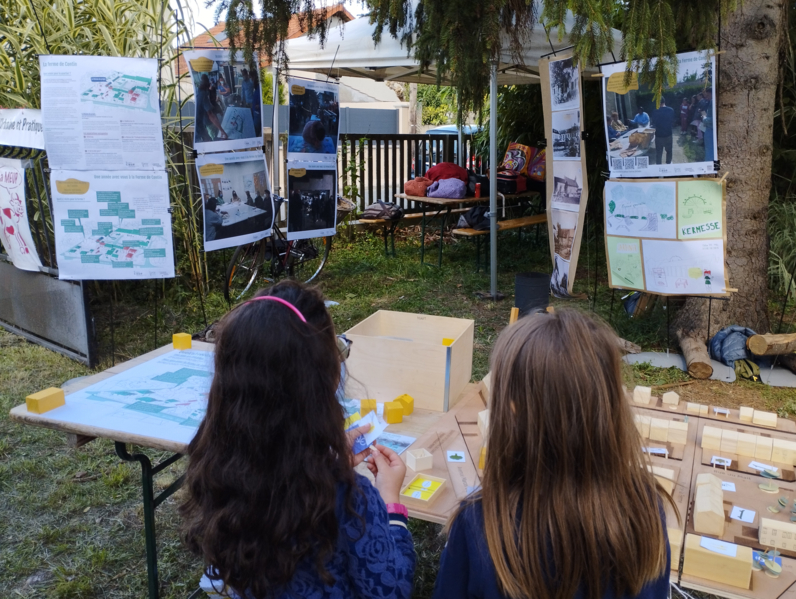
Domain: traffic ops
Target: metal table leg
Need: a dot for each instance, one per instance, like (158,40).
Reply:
(441,235)
(423,236)
(151,502)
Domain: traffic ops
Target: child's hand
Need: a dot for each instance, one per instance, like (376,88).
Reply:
(353,435)
(389,470)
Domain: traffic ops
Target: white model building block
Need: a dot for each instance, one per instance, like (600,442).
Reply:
(643,425)
(746,445)
(692,408)
(678,432)
(419,459)
(783,452)
(764,418)
(711,438)
(746,414)
(659,430)
(775,533)
(642,395)
(671,399)
(729,441)
(731,567)
(709,505)
(483,423)
(763,448)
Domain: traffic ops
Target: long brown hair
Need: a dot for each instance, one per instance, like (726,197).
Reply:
(568,502)
(269,457)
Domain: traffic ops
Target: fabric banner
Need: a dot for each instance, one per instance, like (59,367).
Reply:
(314,120)
(14,228)
(567,184)
(21,128)
(312,199)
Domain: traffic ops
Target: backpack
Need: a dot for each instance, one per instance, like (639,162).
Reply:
(383,210)
(476,178)
(511,182)
(475,218)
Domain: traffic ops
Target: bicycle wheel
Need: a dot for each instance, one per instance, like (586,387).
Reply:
(307,257)
(242,270)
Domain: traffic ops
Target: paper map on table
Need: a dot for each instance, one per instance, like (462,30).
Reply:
(165,398)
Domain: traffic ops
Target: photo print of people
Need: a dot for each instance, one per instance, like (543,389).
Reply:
(312,199)
(314,120)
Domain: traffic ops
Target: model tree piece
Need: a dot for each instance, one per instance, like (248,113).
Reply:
(746,414)
(732,566)
(642,395)
(709,505)
(419,459)
(764,418)
(671,399)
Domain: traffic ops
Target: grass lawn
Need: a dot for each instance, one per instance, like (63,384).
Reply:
(70,520)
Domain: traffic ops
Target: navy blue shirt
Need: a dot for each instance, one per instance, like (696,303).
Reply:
(467,571)
(664,118)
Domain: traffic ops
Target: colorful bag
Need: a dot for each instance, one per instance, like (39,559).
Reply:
(417,187)
(511,182)
(536,169)
(447,170)
(517,158)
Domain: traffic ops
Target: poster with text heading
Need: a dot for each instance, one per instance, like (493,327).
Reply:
(312,199)
(112,225)
(15,235)
(101,113)
(314,120)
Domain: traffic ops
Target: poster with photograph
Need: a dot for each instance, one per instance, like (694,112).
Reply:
(566,135)
(564,85)
(101,113)
(314,120)
(567,185)
(228,101)
(677,138)
(112,225)
(312,199)
(565,226)
(236,198)
(15,235)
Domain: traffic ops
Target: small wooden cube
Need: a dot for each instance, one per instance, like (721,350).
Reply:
(46,400)
(407,402)
(711,565)
(366,406)
(678,432)
(746,414)
(671,399)
(763,448)
(643,425)
(692,408)
(642,395)
(675,545)
(783,452)
(181,341)
(729,441)
(483,423)
(482,458)
(659,430)
(746,445)
(419,459)
(711,438)
(393,412)
(764,418)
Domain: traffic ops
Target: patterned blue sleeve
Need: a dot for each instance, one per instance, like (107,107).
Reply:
(382,561)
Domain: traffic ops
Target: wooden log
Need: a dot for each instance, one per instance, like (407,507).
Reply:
(628,346)
(696,356)
(771,345)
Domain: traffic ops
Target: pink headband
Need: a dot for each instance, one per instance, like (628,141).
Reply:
(273,298)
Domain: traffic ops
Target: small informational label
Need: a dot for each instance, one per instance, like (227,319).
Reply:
(725,486)
(742,514)
(760,467)
(426,484)
(722,411)
(456,456)
(721,547)
(417,494)
(656,450)
(717,461)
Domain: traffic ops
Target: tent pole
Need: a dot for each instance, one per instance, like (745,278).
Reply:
(459,120)
(493,213)
(275,132)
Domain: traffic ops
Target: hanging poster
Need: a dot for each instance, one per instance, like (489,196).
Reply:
(236,198)
(21,128)
(314,120)
(567,189)
(675,139)
(666,237)
(14,228)
(228,101)
(101,113)
(112,225)
(312,199)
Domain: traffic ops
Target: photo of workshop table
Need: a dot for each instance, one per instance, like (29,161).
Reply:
(620,147)
(237,212)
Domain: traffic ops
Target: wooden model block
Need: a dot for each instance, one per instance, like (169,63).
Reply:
(45,400)
(709,505)
(734,569)
(774,533)
(483,423)
(692,408)
(675,545)
(422,490)
(764,418)
(393,412)
(729,441)
(181,341)
(643,425)
(783,452)
(746,445)
(678,432)
(747,414)
(711,438)
(482,458)
(366,406)
(642,395)
(665,477)
(407,402)
(419,459)
(670,398)
(659,430)
(763,448)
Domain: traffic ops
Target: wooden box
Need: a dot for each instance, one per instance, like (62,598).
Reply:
(393,353)
(422,490)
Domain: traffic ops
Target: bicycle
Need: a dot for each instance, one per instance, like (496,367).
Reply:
(302,259)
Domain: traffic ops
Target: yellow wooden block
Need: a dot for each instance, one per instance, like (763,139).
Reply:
(366,406)
(764,418)
(407,402)
(393,412)
(422,490)
(746,445)
(763,448)
(181,341)
(678,432)
(482,458)
(747,414)
(711,438)
(671,399)
(45,400)
(447,341)
(734,569)
(419,459)
(729,441)
(659,430)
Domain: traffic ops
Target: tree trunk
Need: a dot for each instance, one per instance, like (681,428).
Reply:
(748,68)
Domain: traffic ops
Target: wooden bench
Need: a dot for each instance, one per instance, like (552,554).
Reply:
(389,226)
(503,225)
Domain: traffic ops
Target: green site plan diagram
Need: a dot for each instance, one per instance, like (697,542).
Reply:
(120,90)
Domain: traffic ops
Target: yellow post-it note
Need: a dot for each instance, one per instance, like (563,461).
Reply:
(181,341)
(446,341)
(351,420)
(45,400)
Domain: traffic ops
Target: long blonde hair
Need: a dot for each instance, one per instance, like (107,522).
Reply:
(567,499)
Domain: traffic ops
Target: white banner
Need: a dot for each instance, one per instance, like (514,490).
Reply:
(314,120)
(112,225)
(101,113)
(312,199)
(21,128)
(14,229)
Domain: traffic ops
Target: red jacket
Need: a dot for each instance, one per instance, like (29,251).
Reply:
(447,170)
